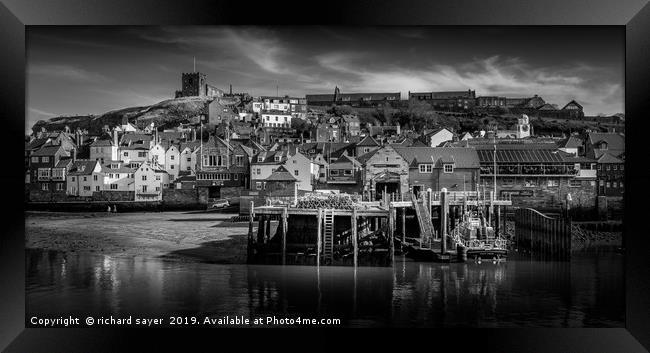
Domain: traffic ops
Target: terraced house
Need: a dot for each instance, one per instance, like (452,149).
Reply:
(46,173)
(453,168)
(298,165)
(223,168)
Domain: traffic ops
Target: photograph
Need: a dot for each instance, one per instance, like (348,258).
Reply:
(325,176)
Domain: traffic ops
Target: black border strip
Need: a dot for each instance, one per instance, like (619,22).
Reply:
(459,12)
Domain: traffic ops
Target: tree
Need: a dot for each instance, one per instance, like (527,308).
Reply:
(340,110)
(300,125)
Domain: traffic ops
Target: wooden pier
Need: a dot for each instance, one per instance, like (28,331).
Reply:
(361,235)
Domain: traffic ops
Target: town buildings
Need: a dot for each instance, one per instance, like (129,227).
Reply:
(352,99)
(149,180)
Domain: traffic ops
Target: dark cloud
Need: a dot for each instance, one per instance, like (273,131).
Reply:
(80,70)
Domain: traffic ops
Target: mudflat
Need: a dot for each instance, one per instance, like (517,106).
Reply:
(183,236)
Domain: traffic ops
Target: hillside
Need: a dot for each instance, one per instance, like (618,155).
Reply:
(167,113)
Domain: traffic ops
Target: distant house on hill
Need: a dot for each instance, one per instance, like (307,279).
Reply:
(434,138)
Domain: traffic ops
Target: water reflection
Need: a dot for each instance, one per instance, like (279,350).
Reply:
(521,292)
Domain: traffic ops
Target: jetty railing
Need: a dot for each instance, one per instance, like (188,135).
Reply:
(548,237)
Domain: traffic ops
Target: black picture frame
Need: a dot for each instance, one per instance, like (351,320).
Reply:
(634,15)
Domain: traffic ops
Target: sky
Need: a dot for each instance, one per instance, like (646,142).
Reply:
(93,70)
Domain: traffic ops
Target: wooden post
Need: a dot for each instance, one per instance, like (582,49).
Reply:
(391,233)
(319,221)
(284,235)
(443,221)
(355,245)
(251,215)
(268,229)
(261,230)
(403,226)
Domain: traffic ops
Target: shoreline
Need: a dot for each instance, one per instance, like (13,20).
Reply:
(177,236)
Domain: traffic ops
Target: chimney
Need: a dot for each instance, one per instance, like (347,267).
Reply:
(74,155)
(193,134)
(115,137)
(231,89)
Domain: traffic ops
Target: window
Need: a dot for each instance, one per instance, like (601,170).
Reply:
(43,173)
(113,186)
(276,158)
(95,176)
(171,166)
(59,186)
(614,167)
(260,159)
(97,188)
(239,161)
(189,159)
(599,167)
(144,178)
(144,188)
(614,184)
(295,172)
(529,183)
(508,181)
(607,167)
(142,154)
(126,153)
(157,177)
(45,186)
(259,171)
(552,182)
(236,176)
(45,159)
(189,168)
(87,188)
(73,178)
(592,183)
(607,185)
(601,183)
(34,159)
(85,179)
(448,168)
(157,188)
(258,185)
(426,168)
(574,183)
(171,157)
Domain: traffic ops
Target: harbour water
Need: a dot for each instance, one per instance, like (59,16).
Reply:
(588,291)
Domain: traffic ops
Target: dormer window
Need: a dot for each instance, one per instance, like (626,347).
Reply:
(426,168)
(260,159)
(448,168)
(603,145)
(276,158)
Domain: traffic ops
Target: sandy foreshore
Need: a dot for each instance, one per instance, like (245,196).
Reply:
(184,236)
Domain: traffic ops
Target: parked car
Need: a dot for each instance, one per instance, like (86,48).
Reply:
(222,203)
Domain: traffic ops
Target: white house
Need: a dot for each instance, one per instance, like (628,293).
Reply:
(276,119)
(188,157)
(297,164)
(436,137)
(118,176)
(157,154)
(84,178)
(150,180)
(172,162)
(128,127)
(104,149)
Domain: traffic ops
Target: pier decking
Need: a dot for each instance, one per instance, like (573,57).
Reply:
(362,233)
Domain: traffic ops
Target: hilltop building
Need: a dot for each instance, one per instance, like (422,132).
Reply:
(194,84)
